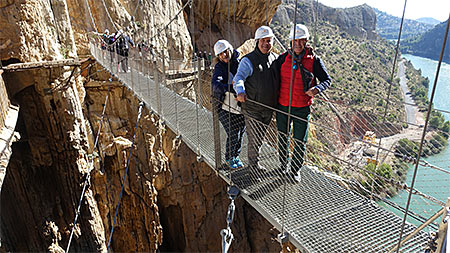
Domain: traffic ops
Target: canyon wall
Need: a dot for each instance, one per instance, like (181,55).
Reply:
(170,201)
(359,21)
(231,20)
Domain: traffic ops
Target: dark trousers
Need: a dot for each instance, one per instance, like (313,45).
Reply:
(112,55)
(257,123)
(234,125)
(300,134)
(123,61)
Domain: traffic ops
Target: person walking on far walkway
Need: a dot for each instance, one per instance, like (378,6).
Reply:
(305,67)
(122,49)
(225,100)
(257,91)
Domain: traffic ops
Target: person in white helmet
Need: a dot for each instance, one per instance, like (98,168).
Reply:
(256,91)
(225,104)
(305,67)
(105,38)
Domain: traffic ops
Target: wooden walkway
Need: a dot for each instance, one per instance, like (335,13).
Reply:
(41,64)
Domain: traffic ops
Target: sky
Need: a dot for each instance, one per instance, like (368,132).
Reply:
(438,9)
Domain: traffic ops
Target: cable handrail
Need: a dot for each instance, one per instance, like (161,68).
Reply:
(411,189)
(254,179)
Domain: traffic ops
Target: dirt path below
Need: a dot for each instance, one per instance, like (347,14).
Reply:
(358,152)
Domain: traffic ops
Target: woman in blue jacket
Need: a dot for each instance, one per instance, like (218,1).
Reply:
(224,100)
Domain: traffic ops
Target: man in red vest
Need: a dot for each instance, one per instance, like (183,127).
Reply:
(296,71)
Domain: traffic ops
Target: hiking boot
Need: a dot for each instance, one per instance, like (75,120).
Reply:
(296,176)
(238,162)
(231,163)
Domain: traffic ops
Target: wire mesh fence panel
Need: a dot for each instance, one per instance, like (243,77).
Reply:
(321,206)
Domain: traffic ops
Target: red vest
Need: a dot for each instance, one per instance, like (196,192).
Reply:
(299,98)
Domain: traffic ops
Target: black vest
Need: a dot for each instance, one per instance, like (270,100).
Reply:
(260,86)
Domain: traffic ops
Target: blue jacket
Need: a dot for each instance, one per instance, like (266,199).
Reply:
(220,81)
(254,78)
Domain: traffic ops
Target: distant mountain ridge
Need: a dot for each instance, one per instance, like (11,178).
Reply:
(388,26)
(429,20)
(429,44)
(358,21)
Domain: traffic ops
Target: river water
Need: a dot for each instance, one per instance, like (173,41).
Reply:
(429,181)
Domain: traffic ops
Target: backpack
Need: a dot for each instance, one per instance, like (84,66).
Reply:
(122,43)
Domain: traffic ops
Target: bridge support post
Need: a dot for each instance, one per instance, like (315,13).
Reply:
(197,105)
(216,132)
(443,232)
(157,90)
(148,62)
(131,58)
(164,81)
(142,67)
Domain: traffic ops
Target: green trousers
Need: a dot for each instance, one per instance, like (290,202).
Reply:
(300,133)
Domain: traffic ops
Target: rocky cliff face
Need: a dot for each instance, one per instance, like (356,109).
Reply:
(35,31)
(209,21)
(150,19)
(170,202)
(54,135)
(359,21)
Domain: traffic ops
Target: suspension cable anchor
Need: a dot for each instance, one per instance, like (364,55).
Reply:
(283,237)
(233,192)
(200,158)
(227,238)
(230,213)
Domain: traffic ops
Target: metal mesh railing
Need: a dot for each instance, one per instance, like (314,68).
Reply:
(319,214)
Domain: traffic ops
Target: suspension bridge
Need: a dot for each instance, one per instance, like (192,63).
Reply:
(318,214)
(322,213)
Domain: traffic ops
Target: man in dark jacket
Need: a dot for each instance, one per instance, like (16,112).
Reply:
(256,91)
(123,48)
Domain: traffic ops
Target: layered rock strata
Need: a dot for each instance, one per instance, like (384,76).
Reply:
(170,201)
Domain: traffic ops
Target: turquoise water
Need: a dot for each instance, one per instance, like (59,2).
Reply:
(430,181)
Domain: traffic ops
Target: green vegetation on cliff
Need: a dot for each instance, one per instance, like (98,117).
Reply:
(360,66)
(428,44)
(388,26)
(418,85)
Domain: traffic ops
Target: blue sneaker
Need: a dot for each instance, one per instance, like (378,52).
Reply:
(231,163)
(238,162)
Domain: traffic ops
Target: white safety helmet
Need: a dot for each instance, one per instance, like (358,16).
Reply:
(222,45)
(263,32)
(301,32)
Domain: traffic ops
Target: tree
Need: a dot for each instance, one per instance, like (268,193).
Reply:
(436,121)
(446,129)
